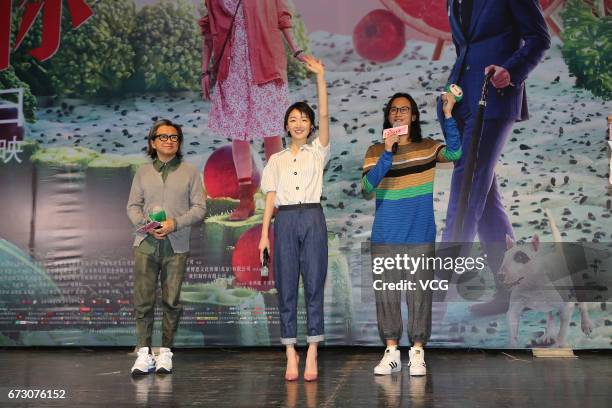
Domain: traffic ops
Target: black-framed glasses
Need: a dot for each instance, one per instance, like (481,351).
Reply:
(403,110)
(164,137)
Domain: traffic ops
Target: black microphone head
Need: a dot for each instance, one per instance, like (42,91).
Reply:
(397,123)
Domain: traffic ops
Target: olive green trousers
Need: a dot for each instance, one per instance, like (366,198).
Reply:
(152,259)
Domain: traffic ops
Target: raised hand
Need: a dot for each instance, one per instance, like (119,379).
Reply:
(448,102)
(314,65)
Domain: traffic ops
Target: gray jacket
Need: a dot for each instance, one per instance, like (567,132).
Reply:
(181,196)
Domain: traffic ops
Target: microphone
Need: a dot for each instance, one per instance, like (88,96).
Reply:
(395,145)
(398,130)
(266,260)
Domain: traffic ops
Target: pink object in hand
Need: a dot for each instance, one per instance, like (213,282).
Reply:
(149,227)
(400,130)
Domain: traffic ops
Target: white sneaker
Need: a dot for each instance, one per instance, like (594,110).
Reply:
(145,362)
(417,361)
(390,363)
(164,361)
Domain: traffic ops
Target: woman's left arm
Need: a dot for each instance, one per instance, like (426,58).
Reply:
(316,66)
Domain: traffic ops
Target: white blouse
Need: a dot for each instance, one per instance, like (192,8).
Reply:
(296,179)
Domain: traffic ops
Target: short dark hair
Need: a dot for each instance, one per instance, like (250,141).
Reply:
(303,108)
(152,153)
(415,127)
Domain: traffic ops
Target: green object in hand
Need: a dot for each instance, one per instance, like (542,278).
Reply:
(455,90)
(157,214)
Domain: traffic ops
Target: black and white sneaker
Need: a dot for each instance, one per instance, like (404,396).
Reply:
(145,363)
(417,361)
(390,363)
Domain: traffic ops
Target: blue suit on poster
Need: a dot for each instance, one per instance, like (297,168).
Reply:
(511,34)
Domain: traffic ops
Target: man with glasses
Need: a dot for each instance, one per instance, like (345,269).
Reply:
(172,188)
(404,224)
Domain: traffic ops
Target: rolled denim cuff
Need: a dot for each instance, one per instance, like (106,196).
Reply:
(315,339)
(288,341)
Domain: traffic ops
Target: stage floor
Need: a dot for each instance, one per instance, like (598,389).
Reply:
(254,378)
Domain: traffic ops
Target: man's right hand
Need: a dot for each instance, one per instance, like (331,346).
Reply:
(501,77)
(390,141)
(157,234)
(205,86)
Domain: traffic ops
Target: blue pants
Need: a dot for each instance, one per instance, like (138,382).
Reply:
(300,246)
(485,213)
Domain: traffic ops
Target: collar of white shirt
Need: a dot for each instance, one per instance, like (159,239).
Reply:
(313,145)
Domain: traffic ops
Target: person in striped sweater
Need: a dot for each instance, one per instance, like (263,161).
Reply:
(404,221)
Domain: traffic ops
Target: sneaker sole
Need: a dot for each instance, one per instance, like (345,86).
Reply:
(163,371)
(138,372)
(393,370)
(418,373)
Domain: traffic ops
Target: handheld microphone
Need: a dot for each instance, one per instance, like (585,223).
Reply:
(398,130)
(395,145)
(266,260)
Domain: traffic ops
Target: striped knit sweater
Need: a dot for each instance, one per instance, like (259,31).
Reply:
(403,184)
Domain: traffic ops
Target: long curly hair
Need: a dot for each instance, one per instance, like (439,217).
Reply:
(415,127)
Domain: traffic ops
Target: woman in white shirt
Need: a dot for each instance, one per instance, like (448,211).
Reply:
(292,181)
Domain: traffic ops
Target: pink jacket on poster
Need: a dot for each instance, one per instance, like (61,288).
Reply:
(264,21)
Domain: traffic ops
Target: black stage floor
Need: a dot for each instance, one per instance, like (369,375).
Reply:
(254,378)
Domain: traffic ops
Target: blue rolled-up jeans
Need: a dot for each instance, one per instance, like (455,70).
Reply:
(300,248)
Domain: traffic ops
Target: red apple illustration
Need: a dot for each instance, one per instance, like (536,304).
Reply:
(429,17)
(245,260)
(379,36)
(220,177)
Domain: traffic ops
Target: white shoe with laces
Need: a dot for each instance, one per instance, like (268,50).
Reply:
(145,362)
(417,361)
(390,362)
(164,361)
